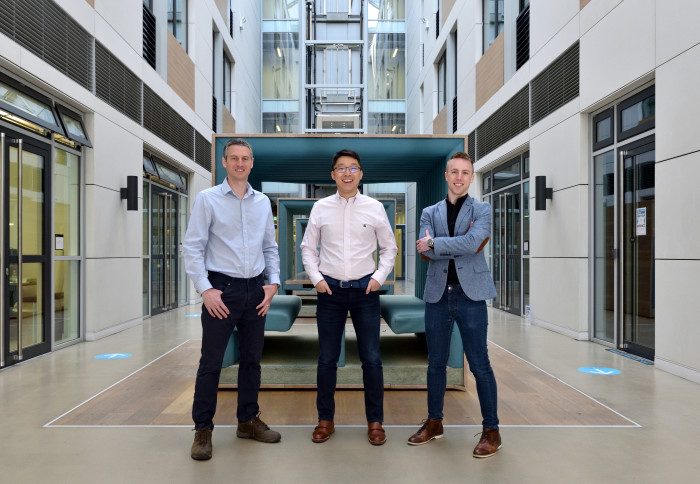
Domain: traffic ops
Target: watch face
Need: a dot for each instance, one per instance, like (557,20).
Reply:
(430,242)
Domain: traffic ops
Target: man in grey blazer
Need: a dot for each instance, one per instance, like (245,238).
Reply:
(458,283)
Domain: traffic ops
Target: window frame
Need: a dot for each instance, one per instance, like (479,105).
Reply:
(607,114)
(629,102)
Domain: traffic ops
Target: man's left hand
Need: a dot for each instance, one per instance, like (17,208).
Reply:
(422,244)
(372,286)
(264,306)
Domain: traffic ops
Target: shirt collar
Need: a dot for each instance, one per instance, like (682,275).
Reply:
(226,188)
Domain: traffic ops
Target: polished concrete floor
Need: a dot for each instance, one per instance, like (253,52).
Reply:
(663,448)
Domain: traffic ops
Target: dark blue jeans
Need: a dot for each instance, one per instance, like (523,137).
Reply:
(331,313)
(472,320)
(240,296)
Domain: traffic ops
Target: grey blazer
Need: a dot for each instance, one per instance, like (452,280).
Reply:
(472,270)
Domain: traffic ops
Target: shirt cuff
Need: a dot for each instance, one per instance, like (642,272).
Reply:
(274,279)
(202,285)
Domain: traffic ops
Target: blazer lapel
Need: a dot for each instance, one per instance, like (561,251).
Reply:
(464,218)
(441,220)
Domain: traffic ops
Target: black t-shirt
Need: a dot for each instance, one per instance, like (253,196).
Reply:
(452,212)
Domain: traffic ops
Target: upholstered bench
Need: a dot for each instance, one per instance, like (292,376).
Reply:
(280,317)
(406,314)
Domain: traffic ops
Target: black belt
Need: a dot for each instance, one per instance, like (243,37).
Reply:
(355,284)
(218,275)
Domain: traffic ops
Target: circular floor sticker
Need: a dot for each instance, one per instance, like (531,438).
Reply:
(595,370)
(112,356)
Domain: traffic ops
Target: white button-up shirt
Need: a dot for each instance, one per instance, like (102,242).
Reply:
(348,232)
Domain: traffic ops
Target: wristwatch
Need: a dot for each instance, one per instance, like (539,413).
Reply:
(430,243)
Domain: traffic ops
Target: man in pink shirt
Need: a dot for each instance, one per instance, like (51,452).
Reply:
(348,226)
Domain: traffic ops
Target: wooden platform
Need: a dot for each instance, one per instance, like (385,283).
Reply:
(161,395)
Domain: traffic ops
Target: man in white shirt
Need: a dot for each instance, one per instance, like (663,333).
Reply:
(348,226)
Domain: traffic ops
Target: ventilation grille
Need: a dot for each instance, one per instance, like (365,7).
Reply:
(214,109)
(45,29)
(454,114)
(471,145)
(437,24)
(117,85)
(511,119)
(149,37)
(202,155)
(556,85)
(522,38)
(162,120)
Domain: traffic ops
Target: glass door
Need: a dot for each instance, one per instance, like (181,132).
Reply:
(24,185)
(507,250)
(637,249)
(164,250)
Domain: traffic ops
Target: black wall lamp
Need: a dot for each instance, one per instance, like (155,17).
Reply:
(131,192)
(542,193)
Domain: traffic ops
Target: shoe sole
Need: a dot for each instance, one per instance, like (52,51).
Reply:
(320,441)
(249,436)
(489,455)
(377,443)
(423,443)
(200,457)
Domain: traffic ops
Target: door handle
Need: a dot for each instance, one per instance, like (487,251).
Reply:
(20,297)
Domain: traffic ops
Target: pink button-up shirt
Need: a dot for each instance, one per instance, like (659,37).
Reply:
(347,232)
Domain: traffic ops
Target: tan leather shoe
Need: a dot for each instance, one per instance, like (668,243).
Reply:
(375,433)
(489,443)
(431,429)
(323,431)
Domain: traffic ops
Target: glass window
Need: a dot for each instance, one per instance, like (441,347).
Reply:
(486,182)
(280,9)
(387,123)
(493,21)
(526,218)
(169,175)
(604,245)
(177,20)
(506,174)
(148,165)
(227,83)
(386,78)
(146,211)
(636,114)
(280,122)
(73,126)
(66,300)
(603,129)
(280,65)
(386,10)
(442,81)
(28,105)
(66,202)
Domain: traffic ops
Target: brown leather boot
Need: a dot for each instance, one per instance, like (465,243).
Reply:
(323,431)
(489,443)
(201,447)
(431,429)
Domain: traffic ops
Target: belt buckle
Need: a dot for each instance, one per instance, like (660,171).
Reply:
(345,284)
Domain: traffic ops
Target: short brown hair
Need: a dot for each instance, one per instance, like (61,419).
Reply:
(461,155)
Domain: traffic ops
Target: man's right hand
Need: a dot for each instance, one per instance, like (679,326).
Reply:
(323,287)
(212,301)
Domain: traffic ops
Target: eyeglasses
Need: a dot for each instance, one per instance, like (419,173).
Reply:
(351,169)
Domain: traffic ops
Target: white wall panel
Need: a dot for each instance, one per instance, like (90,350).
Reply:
(676,27)
(547,17)
(125,18)
(562,229)
(677,213)
(617,50)
(678,105)
(594,11)
(557,152)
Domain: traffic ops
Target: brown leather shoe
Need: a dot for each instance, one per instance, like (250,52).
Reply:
(375,433)
(489,443)
(431,429)
(323,431)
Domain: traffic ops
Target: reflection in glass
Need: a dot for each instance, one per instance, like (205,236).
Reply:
(386,9)
(177,20)
(493,21)
(603,129)
(66,300)
(280,9)
(27,104)
(280,122)
(387,67)
(31,305)
(639,113)
(32,203)
(387,123)
(66,201)
(280,65)
(604,233)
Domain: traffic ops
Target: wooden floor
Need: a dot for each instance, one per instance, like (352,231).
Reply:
(161,394)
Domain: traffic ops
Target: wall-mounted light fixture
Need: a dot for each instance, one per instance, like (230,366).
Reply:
(542,193)
(425,22)
(131,192)
(240,24)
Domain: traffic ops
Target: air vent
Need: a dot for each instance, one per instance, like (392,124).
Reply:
(149,36)
(162,120)
(117,85)
(471,145)
(508,121)
(556,85)
(522,38)
(43,28)
(202,152)
(214,117)
(454,114)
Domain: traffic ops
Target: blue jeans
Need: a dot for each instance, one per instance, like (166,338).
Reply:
(240,296)
(472,320)
(331,313)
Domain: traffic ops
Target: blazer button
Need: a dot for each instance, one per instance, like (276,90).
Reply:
(444,271)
